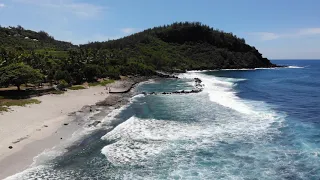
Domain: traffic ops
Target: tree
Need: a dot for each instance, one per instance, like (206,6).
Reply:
(92,71)
(62,75)
(19,73)
(175,47)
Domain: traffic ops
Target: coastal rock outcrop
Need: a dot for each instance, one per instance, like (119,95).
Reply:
(198,88)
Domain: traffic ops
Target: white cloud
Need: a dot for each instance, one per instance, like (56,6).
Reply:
(267,36)
(2,5)
(78,8)
(291,52)
(129,30)
(309,31)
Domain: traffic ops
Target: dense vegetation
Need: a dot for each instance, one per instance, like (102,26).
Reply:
(18,38)
(176,47)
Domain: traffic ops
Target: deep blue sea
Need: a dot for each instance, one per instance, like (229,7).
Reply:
(246,124)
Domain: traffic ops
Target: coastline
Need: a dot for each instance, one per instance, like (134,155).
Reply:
(24,125)
(54,122)
(65,123)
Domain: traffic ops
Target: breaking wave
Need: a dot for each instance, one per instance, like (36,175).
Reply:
(139,141)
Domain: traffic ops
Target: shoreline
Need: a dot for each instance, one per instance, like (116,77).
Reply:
(58,133)
(61,137)
(22,126)
(61,130)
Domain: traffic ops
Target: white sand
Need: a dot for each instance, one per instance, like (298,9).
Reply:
(28,122)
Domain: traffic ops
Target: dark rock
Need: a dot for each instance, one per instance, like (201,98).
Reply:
(112,100)
(66,124)
(72,114)
(198,80)
(94,124)
(10,147)
(45,126)
(164,75)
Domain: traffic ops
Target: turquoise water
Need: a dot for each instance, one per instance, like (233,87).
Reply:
(246,124)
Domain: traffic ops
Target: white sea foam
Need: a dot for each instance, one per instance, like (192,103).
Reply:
(23,175)
(243,69)
(150,81)
(295,67)
(138,141)
(60,149)
(108,119)
(266,68)
(137,96)
(221,91)
(143,141)
(258,116)
(195,71)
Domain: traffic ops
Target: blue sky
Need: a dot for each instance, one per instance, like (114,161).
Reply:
(279,29)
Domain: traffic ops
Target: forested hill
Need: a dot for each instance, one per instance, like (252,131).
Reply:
(29,56)
(185,46)
(20,38)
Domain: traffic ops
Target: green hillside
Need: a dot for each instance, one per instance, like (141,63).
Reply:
(172,48)
(186,46)
(20,38)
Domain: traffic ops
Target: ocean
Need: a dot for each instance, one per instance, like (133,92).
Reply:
(246,124)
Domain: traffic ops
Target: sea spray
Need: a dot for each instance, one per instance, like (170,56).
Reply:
(221,92)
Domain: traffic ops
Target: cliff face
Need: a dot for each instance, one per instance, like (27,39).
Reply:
(186,46)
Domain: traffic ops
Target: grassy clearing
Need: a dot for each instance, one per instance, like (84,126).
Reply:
(5,104)
(94,84)
(76,87)
(3,109)
(102,83)
(19,102)
(57,92)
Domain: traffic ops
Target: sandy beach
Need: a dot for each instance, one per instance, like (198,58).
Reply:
(22,126)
